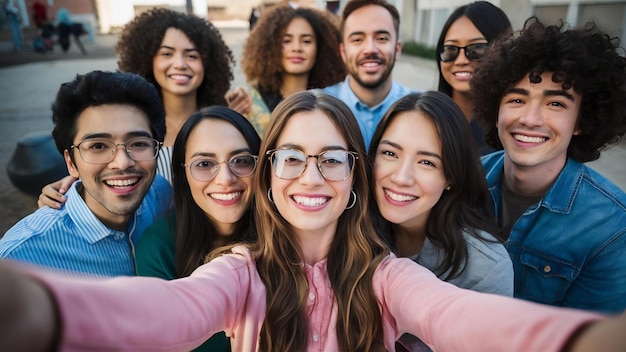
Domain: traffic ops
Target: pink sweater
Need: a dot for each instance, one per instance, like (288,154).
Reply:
(148,314)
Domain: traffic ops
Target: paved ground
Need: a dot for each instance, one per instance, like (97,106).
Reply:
(29,81)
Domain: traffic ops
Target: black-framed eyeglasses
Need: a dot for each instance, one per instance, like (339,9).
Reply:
(102,151)
(206,169)
(333,165)
(472,51)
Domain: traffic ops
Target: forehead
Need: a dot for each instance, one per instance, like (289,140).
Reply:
(215,136)
(312,131)
(113,119)
(413,129)
(369,19)
(299,25)
(463,28)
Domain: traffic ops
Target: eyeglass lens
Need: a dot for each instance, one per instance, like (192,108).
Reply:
(102,151)
(334,165)
(207,169)
(472,51)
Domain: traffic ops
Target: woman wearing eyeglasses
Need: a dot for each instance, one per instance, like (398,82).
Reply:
(213,162)
(464,38)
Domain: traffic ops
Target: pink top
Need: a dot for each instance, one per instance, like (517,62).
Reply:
(142,313)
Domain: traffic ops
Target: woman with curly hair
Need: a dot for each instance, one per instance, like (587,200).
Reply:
(186,59)
(288,51)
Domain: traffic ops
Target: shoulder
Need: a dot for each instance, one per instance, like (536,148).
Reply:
(335,89)
(488,250)
(45,224)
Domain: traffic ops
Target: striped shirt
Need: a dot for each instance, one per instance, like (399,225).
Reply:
(76,242)
(164,163)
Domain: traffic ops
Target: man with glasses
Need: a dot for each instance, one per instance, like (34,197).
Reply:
(369,46)
(109,128)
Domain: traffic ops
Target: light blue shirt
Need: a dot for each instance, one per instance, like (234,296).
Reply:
(74,240)
(568,249)
(368,117)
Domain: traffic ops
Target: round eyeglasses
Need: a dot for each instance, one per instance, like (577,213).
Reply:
(102,151)
(472,51)
(334,165)
(205,169)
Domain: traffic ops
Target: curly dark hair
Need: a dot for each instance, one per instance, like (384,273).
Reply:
(262,52)
(585,59)
(141,38)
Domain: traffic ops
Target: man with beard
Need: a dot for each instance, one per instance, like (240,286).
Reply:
(369,45)
(115,198)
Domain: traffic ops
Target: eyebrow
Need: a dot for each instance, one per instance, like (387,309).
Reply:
(300,148)
(172,48)
(380,31)
(230,155)
(471,40)
(104,135)
(546,92)
(419,152)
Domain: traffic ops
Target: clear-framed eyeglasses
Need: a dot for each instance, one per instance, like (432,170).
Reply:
(333,165)
(102,151)
(205,169)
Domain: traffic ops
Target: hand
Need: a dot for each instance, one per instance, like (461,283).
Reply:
(52,195)
(239,100)
(28,318)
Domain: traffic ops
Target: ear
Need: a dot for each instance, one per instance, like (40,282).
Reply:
(398,48)
(342,51)
(71,167)
(577,132)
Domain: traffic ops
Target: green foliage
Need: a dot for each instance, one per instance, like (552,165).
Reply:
(420,50)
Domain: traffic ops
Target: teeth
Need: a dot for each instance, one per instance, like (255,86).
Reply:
(398,197)
(225,196)
(370,64)
(178,76)
(122,183)
(528,139)
(310,202)
(463,74)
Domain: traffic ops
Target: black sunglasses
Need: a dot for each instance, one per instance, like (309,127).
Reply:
(472,51)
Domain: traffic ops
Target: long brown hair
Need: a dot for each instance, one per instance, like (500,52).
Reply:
(354,254)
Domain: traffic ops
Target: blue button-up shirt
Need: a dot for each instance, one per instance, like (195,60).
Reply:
(368,117)
(74,240)
(569,249)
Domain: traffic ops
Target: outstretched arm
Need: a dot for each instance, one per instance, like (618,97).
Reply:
(28,317)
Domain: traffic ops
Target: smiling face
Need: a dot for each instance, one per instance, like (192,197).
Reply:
(226,198)
(114,190)
(369,46)
(408,170)
(310,203)
(459,71)
(299,47)
(536,122)
(177,65)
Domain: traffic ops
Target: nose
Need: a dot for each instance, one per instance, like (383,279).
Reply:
(532,116)
(179,60)
(121,159)
(371,46)
(311,174)
(404,175)
(461,59)
(224,175)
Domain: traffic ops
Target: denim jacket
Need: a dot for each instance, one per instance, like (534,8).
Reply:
(569,249)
